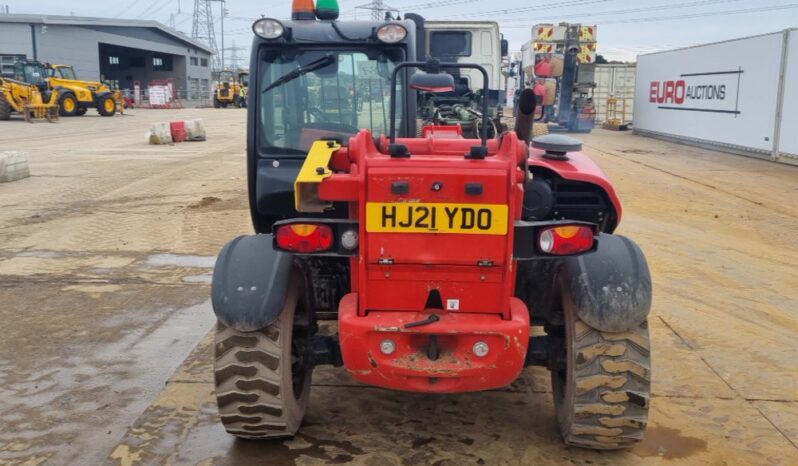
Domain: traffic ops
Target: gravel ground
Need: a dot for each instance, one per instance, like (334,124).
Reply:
(105,255)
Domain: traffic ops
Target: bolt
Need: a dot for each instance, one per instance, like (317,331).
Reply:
(481,349)
(387,346)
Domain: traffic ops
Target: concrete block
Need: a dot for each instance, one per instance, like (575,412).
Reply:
(195,130)
(160,133)
(13,166)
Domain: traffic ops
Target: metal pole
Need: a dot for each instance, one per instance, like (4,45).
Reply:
(775,154)
(222,34)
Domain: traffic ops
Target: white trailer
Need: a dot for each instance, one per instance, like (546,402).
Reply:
(738,96)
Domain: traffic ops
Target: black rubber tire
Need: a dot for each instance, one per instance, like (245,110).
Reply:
(216,103)
(102,102)
(5,108)
(258,394)
(63,100)
(602,386)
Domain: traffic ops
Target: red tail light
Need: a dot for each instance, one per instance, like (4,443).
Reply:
(565,240)
(304,238)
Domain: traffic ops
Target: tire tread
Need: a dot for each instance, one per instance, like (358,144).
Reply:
(5,107)
(612,388)
(248,378)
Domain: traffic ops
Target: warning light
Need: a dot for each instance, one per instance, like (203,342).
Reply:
(303,10)
(327,10)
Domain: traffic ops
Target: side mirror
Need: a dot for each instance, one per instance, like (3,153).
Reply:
(432,82)
(505,47)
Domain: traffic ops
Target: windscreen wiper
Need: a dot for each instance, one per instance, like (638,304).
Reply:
(291,75)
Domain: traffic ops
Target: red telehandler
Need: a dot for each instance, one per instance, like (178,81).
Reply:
(437,255)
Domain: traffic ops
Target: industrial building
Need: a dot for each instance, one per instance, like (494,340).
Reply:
(122,50)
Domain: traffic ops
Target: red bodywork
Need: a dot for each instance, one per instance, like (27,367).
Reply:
(397,274)
(578,167)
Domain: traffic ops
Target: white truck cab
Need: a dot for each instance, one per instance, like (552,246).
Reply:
(477,42)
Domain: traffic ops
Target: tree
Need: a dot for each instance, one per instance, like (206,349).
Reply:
(600,60)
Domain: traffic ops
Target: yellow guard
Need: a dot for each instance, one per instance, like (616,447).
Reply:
(314,171)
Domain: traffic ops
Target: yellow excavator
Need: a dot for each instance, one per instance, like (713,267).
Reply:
(28,93)
(76,96)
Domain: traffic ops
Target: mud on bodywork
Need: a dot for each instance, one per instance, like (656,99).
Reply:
(611,287)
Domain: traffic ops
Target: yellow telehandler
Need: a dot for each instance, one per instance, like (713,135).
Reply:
(76,96)
(28,93)
(227,90)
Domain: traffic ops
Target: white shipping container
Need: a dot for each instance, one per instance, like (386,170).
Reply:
(788,136)
(723,94)
(614,81)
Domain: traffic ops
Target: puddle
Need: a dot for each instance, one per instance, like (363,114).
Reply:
(40,254)
(160,260)
(636,151)
(204,278)
(668,443)
(73,408)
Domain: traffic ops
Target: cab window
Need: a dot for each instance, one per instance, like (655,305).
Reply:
(340,93)
(446,44)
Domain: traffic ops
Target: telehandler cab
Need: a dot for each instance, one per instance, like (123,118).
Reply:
(437,255)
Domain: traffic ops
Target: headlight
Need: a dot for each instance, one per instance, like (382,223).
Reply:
(391,33)
(268,28)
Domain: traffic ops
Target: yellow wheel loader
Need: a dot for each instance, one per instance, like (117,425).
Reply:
(28,94)
(77,96)
(227,90)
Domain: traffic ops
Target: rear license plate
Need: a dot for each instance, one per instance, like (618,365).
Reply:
(417,217)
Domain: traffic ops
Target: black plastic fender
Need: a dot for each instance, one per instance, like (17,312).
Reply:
(96,97)
(610,287)
(250,283)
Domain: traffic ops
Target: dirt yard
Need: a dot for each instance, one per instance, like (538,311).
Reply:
(105,355)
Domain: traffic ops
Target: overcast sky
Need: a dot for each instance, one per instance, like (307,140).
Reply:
(625,27)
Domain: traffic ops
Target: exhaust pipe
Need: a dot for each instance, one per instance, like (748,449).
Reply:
(525,116)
